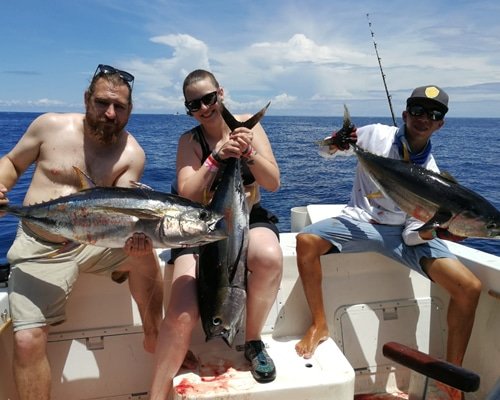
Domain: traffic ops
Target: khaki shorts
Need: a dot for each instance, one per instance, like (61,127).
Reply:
(41,280)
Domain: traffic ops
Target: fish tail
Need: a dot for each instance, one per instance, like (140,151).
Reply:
(233,123)
(254,120)
(5,208)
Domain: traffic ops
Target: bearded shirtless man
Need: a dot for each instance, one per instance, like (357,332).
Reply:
(97,143)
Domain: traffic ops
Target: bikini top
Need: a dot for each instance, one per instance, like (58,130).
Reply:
(246,174)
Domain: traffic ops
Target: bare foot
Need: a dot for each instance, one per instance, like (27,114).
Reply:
(190,361)
(312,339)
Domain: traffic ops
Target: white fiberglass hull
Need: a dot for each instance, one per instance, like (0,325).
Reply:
(370,300)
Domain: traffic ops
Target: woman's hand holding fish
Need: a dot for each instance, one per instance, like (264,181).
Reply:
(229,149)
(243,137)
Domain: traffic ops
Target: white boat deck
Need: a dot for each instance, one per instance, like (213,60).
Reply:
(224,373)
(370,300)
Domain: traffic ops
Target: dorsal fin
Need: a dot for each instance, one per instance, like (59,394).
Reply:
(86,181)
(375,195)
(140,185)
(446,175)
(406,153)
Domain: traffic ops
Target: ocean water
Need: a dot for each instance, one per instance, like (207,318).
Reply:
(466,148)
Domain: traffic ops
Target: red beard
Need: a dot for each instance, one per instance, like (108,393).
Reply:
(105,131)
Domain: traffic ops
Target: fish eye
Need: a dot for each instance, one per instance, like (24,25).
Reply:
(203,215)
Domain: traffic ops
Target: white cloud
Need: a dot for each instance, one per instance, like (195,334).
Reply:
(315,54)
(264,70)
(301,49)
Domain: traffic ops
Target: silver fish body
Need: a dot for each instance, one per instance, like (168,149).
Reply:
(107,216)
(222,272)
(434,198)
(222,266)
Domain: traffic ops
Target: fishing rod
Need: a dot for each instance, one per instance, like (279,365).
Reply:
(381,70)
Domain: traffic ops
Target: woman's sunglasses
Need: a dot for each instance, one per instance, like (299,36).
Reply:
(103,69)
(208,100)
(418,111)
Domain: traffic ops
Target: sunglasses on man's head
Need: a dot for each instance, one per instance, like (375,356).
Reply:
(103,69)
(418,111)
(208,100)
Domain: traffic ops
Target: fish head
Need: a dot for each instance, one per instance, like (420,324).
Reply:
(492,222)
(194,226)
(477,225)
(227,314)
(493,231)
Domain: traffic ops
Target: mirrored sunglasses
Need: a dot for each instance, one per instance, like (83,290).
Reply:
(208,100)
(103,69)
(418,111)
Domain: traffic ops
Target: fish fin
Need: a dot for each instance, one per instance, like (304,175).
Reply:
(86,181)
(429,225)
(440,218)
(228,338)
(347,128)
(9,209)
(233,123)
(406,153)
(446,175)
(375,195)
(66,247)
(251,194)
(140,185)
(207,197)
(254,120)
(347,118)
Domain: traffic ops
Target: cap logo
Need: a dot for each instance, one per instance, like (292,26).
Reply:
(431,92)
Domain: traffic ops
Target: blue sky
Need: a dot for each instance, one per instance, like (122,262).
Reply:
(307,57)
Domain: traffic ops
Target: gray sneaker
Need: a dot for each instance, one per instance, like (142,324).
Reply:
(263,369)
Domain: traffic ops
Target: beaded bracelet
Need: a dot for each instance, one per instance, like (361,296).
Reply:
(211,163)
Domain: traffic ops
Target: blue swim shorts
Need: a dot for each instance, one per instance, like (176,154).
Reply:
(351,236)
